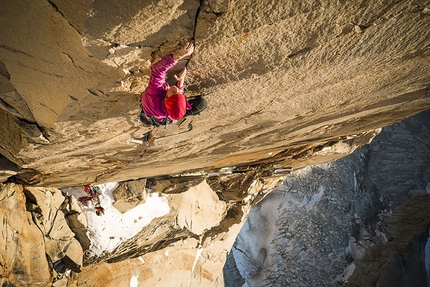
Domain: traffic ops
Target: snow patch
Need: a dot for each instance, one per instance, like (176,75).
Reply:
(354,250)
(106,232)
(134,282)
(325,166)
(315,198)
(343,278)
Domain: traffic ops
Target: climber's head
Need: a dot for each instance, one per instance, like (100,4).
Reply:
(175,103)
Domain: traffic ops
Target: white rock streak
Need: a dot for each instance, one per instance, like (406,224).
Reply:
(199,252)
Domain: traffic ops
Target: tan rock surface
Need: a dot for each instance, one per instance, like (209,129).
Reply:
(48,202)
(200,209)
(36,234)
(279,77)
(22,248)
(288,84)
(51,216)
(186,261)
(130,194)
(187,246)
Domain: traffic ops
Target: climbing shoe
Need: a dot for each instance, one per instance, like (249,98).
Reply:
(198,104)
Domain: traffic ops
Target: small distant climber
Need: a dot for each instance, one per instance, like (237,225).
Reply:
(94,193)
(162,103)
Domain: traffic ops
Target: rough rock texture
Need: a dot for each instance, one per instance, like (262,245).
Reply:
(23,259)
(289,84)
(360,221)
(35,236)
(282,78)
(130,194)
(190,243)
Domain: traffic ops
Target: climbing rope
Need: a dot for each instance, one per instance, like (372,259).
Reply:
(139,156)
(93,192)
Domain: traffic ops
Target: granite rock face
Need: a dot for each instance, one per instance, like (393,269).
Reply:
(45,239)
(283,80)
(35,236)
(189,245)
(22,247)
(289,84)
(360,221)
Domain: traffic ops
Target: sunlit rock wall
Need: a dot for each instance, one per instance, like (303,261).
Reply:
(283,80)
(288,83)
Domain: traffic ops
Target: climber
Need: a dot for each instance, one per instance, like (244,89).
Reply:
(161,103)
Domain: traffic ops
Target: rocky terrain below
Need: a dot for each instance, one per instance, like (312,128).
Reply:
(288,84)
(282,79)
(362,220)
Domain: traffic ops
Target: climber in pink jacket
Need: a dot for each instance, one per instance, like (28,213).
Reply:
(162,103)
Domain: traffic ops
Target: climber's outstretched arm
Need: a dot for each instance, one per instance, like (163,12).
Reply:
(180,78)
(159,69)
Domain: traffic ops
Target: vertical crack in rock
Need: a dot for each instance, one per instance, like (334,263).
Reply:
(217,8)
(196,20)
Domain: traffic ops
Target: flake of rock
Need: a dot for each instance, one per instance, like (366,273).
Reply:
(59,229)
(130,194)
(49,201)
(78,224)
(200,209)
(19,236)
(73,256)
(55,248)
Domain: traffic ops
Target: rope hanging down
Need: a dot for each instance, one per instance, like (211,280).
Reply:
(139,156)
(93,191)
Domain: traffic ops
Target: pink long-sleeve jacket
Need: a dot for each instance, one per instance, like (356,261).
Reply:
(154,95)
